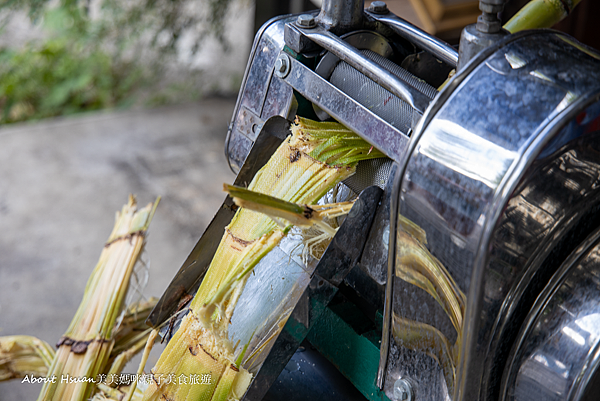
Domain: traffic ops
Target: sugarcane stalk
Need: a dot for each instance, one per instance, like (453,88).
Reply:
(304,216)
(124,356)
(307,165)
(149,343)
(540,14)
(24,357)
(84,350)
(108,393)
(131,336)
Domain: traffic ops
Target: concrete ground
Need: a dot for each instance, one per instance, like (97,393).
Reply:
(61,182)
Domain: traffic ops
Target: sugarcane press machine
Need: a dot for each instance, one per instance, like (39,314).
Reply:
(469,266)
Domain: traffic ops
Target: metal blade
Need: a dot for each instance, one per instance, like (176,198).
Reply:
(187,281)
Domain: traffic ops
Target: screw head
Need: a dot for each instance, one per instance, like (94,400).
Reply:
(403,390)
(378,7)
(282,66)
(306,21)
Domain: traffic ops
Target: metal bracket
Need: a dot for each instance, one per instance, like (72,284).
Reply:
(348,111)
(366,66)
(422,39)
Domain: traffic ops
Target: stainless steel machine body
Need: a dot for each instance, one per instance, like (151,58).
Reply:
(503,177)
(493,183)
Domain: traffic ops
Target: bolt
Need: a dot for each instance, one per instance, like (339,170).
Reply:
(488,25)
(488,21)
(403,390)
(378,7)
(282,66)
(490,8)
(493,2)
(306,21)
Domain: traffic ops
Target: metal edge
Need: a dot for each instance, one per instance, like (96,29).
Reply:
(401,139)
(546,135)
(435,105)
(439,101)
(389,285)
(546,295)
(414,34)
(236,109)
(366,66)
(541,254)
(587,376)
(329,61)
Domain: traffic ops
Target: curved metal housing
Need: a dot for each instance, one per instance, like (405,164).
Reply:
(557,353)
(501,183)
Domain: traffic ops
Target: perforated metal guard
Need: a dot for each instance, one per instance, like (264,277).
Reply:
(370,172)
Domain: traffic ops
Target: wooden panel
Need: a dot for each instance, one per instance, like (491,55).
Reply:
(444,18)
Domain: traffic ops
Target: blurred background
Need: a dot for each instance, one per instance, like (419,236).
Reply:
(67,56)
(102,98)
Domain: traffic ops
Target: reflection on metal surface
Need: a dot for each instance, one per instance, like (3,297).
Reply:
(549,212)
(415,265)
(515,61)
(498,223)
(581,47)
(558,352)
(466,153)
(569,98)
(422,337)
(262,96)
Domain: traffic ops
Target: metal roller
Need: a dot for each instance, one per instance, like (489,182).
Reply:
(379,100)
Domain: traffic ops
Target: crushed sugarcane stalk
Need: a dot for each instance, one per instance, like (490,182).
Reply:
(24,357)
(28,358)
(133,329)
(304,216)
(84,350)
(310,162)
